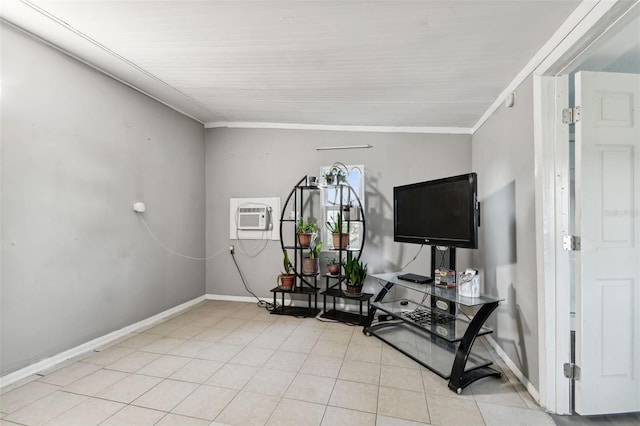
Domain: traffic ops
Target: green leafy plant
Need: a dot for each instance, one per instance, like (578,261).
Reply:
(305,228)
(358,275)
(286,280)
(354,270)
(337,173)
(335,225)
(332,261)
(315,248)
(288,267)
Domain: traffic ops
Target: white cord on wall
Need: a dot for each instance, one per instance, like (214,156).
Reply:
(251,253)
(173,251)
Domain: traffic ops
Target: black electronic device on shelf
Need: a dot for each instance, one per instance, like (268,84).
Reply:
(415,278)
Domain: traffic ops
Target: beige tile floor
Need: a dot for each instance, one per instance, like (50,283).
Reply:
(234,363)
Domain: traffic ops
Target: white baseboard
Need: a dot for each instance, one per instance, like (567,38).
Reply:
(514,368)
(248,299)
(98,342)
(91,345)
(288,302)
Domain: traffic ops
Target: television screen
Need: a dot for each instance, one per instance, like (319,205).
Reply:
(442,212)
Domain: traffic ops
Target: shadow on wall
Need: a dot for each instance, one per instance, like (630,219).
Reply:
(497,257)
(379,216)
(379,234)
(498,232)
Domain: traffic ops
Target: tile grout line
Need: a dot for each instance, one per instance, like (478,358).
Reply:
(379,386)
(426,397)
(477,404)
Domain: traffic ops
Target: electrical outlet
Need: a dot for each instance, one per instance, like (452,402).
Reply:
(232,249)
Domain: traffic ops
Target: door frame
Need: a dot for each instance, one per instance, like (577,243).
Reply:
(551,153)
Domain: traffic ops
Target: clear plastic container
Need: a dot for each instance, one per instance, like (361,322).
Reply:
(445,278)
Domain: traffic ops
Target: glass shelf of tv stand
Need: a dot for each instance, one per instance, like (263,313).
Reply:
(430,350)
(449,294)
(448,327)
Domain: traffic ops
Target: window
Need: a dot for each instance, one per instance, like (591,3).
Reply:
(352,194)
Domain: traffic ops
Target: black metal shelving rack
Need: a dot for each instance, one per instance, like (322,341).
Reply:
(334,283)
(308,284)
(305,284)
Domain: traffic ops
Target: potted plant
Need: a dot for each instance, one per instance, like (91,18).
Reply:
(286,279)
(311,264)
(355,273)
(336,174)
(340,239)
(346,211)
(305,232)
(333,266)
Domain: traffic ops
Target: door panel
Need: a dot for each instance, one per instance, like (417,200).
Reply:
(616,312)
(617,197)
(608,222)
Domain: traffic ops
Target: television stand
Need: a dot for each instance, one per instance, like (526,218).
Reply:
(439,341)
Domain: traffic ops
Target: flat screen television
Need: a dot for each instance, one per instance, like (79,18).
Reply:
(441,212)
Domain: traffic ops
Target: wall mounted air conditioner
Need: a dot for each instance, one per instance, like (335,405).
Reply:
(256,218)
(254,224)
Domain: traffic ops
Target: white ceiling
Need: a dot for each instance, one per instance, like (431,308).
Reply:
(357,63)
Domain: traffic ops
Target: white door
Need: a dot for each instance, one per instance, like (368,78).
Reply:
(608,223)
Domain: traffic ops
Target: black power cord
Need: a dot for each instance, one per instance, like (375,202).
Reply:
(261,303)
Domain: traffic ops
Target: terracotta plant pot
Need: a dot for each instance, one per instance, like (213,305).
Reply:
(285,282)
(310,266)
(333,269)
(340,240)
(304,239)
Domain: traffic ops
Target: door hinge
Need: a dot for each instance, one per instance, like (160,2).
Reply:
(571,115)
(571,243)
(571,371)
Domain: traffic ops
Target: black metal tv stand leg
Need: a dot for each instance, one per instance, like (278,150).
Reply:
(459,379)
(372,309)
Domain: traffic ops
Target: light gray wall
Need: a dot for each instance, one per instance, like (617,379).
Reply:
(503,157)
(266,163)
(78,148)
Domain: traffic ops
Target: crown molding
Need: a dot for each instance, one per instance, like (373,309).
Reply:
(338,128)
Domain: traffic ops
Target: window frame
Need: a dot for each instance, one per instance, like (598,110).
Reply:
(327,207)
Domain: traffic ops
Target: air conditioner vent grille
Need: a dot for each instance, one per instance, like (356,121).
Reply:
(249,220)
(253,218)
